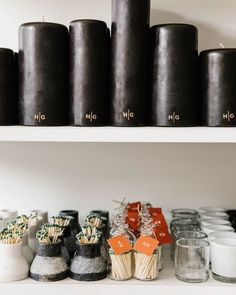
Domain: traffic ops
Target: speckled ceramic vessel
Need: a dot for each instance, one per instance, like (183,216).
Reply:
(75,215)
(70,233)
(88,265)
(48,264)
(13,264)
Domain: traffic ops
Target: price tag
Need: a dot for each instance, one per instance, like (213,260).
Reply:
(162,234)
(146,245)
(136,206)
(120,245)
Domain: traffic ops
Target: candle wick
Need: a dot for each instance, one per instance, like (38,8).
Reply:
(222,45)
(43,19)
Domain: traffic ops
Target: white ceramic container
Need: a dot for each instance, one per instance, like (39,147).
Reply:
(221,235)
(41,213)
(223,260)
(27,252)
(210,209)
(205,222)
(34,226)
(13,266)
(215,215)
(208,229)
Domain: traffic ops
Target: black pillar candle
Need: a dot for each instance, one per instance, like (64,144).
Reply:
(43,74)
(174,53)
(129,56)
(218,87)
(88,53)
(8,101)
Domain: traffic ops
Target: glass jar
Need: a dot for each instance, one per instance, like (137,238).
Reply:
(121,266)
(147,267)
(192,260)
(179,225)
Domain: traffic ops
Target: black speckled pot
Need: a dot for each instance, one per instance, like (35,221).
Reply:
(74,214)
(70,233)
(48,264)
(88,265)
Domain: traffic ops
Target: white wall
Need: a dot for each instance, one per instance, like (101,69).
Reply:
(87,176)
(215,18)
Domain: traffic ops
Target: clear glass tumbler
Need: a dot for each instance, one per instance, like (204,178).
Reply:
(192,260)
(177,225)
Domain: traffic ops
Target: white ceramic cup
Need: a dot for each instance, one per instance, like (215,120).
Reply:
(205,222)
(210,209)
(215,215)
(13,266)
(223,259)
(208,229)
(41,213)
(221,235)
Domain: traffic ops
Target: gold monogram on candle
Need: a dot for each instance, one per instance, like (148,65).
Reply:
(173,117)
(128,115)
(91,116)
(39,117)
(228,116)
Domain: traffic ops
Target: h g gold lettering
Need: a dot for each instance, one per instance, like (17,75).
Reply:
(128,115)
(228,116)
(91,117)
(174,117)
(39,117)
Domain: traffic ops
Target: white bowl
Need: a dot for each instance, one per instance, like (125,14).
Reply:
(210,209)
(221,235)
(223,259)
(215,215)
(208,229)
(205,222)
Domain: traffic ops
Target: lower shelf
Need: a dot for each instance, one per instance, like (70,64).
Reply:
(165,283)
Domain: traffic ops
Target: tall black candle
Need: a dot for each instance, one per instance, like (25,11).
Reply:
(129,48)
(43,74)
(218,87)
(8,101)
(174,53)
(88,83)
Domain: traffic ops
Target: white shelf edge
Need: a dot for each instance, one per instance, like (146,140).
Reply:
(165,283)
(118,134)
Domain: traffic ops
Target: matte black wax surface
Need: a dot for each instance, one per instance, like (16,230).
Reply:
(218,87)
(174,53)
(88,73)
(43,74)
(129,60)
(8,101)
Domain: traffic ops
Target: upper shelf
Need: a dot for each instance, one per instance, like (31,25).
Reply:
(118,134)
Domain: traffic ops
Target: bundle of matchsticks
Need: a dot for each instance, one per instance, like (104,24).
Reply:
(121,266)
(60,221)
(14,231)
(49,233)
(146,267)
(94,219)
(89,235)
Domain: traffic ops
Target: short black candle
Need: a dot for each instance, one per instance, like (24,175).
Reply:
(88,83)
(218,87)
(43,74)
(8,101)
(129,54)
(174,53)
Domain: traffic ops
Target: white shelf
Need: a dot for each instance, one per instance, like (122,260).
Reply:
(166,283)
(118,134)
